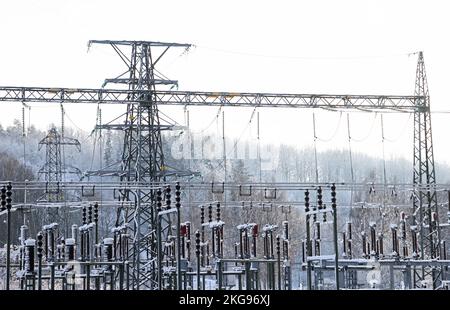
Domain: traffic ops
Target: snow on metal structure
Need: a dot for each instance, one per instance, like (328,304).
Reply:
(143,167)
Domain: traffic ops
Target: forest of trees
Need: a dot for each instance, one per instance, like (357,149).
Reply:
(294,164)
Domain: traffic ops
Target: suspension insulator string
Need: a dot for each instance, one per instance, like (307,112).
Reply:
(350,158)
(384,160)
(315,148)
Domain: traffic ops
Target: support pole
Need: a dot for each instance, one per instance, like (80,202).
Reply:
(159,236)
(39,255)
(259,148)
(278,262)
(219,274)
(335,235)
(197,253)
(224,158)
(52,276)
(178,206)
(308,243)
(8,242)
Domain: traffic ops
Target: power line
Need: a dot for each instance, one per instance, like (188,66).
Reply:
(243,53)
(334,133)
(370,130)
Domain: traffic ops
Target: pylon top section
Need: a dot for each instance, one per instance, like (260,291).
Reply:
(148,43)
(141,62)
(421,87)
(54,137)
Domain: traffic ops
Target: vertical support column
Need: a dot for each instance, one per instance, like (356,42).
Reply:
(213,232)
(52,275)
(286,263)
(254,237)
(197,253)
(395,252)
(349,236)
(241,243)
(220,233)
(278,262)
(29,263)
(444,257)
(317,239)
(70,249)
(246,243)
(424,178)
(8,240)
(188,241)
(317,222)
(224,158)
(344,245)
(408,283)
(74,236)
(178,206)
(364,243)
(415,246)
(403,235)
(39,255)
(202,221)
(96,222)
(159,236)
(335,234)
(90,213)
(84,215)
(219,274)
(108,248)
(380,245)
(308,242)
(373,240)
(391,276)
(248,278)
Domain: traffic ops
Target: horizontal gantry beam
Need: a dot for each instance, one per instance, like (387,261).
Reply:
(197,98)
(245,188)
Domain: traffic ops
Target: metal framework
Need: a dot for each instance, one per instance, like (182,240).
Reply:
(200,98)
(425,201)
(54,167)
(142,155)
(143,160)
(395,257)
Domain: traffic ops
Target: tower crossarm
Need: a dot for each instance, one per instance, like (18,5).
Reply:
(148,43)
(200,98)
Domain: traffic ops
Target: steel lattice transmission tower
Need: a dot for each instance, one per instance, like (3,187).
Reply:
(142,156)
(426,216)
(54,168)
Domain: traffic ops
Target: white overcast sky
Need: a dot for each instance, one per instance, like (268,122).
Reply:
(352,47)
